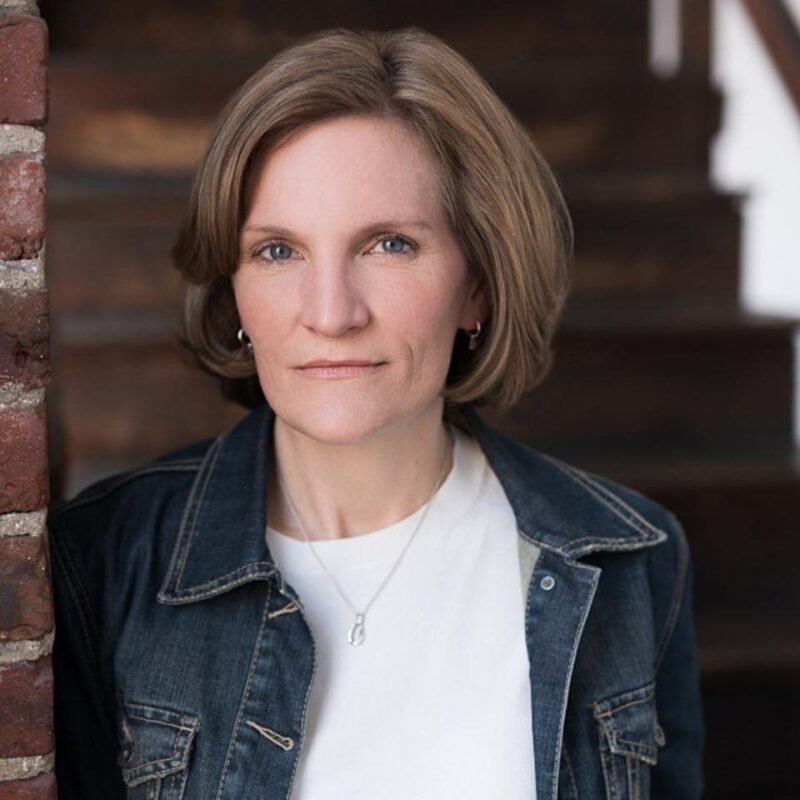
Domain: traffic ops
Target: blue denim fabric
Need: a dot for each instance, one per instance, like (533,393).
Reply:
(183,661)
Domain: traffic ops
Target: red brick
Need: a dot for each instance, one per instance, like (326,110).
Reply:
(25,611)
(23,338)
(42,787)
(23,78)
(22,212)
(23,459)
(26,708)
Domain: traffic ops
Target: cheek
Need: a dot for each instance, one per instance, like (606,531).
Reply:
(427,324)
(253,303)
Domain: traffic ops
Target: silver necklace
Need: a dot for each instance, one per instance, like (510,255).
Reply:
(357,632)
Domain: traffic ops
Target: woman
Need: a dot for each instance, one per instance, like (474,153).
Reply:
(362,590)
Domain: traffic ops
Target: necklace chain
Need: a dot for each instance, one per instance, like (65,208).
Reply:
(357,632)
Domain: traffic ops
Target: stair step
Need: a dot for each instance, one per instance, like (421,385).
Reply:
(672,471)
(734,644)
(603,31)
(628,376)
(153,112)
(122,406)
(654,235)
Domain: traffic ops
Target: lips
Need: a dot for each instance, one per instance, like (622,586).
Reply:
(347,363)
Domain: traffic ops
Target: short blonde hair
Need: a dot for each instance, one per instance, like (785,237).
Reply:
(503,202)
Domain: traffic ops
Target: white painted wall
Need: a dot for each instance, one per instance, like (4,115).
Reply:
(758,152)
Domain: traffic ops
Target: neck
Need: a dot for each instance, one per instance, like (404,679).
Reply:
(347,490)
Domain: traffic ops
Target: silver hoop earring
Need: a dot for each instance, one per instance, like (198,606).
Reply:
(474,335)
(244,340)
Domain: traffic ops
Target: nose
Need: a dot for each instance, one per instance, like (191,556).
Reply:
(333,301)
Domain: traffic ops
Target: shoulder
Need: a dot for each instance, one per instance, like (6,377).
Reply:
(667,564)
(566,508)
(159,477)
(632,506)
(121,518)
(640,511)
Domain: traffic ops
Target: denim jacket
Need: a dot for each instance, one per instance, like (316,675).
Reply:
(183,661)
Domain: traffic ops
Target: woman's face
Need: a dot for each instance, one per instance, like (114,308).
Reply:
(346,254)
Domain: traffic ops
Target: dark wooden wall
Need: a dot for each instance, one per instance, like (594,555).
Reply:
(661,380)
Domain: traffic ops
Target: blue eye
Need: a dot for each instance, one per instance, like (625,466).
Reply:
(277,251)
(396,240)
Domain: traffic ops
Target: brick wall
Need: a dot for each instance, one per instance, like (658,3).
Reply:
(26,620)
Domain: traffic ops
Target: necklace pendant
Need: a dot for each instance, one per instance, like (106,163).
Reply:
(357,633)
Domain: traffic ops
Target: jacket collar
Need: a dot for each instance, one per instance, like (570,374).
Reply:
(222,544)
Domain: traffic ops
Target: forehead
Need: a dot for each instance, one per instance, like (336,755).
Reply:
(345,166)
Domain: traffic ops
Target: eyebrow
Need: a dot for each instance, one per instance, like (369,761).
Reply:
(372,227)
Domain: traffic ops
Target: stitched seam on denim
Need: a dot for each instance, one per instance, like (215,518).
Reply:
(176,466)
(178,552)
(245,692)
(640,749)
(79,596)
(176,749)
(613,760)
(158,774)
(178,549)
(622,544)
(615,709)
(223,583)
(304,713)
(196,510)
(607,763)
(540,544)
(680,585)
(633,778)
(572,656)
(179,779)
(181,744)
(570,773)
(175,725)
(618,504)
(611,501)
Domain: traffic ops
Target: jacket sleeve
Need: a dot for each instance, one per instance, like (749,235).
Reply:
(86,742)
(679,771)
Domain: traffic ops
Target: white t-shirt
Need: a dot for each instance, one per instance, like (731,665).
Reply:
(436,702)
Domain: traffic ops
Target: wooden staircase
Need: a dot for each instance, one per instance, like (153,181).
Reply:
(661,380)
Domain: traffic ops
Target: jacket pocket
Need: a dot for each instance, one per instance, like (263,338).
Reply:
(155,751)
(629,736)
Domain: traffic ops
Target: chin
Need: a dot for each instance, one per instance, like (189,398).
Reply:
(335,423)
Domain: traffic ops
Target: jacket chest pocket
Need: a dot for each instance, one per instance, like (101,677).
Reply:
(629,736)
(155,751)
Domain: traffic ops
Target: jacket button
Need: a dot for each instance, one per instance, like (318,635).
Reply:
(125,753)
(547,583)
(660,738)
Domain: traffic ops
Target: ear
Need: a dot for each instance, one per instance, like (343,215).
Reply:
(476,306)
